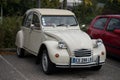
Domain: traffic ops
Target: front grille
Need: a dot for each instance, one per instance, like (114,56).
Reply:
(82,53)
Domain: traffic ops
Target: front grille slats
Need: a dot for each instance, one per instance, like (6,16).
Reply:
(82,53)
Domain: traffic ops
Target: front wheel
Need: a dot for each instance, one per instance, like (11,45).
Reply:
(47,66)
(20,52)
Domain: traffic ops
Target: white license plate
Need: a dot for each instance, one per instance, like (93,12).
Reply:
(81,60)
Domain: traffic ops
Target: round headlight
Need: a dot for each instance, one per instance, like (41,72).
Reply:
(98,43)
(62,45)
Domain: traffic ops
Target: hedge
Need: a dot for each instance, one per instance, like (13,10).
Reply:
(8,30)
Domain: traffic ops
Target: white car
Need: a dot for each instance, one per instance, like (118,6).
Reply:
(54,36)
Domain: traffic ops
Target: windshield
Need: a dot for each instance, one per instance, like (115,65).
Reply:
(59,21)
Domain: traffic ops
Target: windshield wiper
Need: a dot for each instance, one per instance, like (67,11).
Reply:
(66,25)
(73,24)
(54,25)
(61,25)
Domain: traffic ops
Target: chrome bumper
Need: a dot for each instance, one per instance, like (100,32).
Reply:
(79,66)
(87,65)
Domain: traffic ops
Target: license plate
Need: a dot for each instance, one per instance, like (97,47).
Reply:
(81,60)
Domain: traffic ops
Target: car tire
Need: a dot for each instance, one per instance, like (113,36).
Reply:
(96,68)
(20,52)
(47,66)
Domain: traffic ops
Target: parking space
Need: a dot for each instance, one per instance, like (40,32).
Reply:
(14,68)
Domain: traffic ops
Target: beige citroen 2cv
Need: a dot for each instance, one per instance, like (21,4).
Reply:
(54,36)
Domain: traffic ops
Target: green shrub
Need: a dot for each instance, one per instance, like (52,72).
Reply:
(8,30)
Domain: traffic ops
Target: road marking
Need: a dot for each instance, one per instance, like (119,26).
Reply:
(14,68)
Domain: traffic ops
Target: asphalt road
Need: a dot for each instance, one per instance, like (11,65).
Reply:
(14,68)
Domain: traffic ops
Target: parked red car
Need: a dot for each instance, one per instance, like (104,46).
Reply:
(107,27)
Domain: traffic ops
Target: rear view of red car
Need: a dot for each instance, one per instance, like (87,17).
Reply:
(107,27)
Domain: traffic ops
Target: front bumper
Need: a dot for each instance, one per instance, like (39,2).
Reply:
(85,65)
(79,66)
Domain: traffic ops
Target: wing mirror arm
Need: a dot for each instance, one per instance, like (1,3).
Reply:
(32,26)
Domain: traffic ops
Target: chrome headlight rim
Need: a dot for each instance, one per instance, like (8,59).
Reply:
(98,43)
(62,45)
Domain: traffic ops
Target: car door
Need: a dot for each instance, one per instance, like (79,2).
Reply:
(98,28)
(112,38)
(26,29)
(36,35)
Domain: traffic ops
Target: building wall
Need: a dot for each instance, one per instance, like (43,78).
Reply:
(72,2)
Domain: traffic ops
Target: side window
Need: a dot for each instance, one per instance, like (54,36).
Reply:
(28,20)
(36,21)
(113,24)
(100,23)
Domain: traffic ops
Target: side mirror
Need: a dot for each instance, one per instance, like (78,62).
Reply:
(83,26)
(32,26)
(117,31)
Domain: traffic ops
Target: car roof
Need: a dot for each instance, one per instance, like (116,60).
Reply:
(44,11)
(112,15)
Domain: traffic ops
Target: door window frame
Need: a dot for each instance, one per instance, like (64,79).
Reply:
(112,29)
(104,24)
(25,19)
(38,16)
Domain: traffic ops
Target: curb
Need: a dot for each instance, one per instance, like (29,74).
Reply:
(7,49)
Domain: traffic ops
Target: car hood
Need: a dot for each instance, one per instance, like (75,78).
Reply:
(74,39)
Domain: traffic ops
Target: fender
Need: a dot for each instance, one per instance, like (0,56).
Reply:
(52,47)
(19,39)
(100,50)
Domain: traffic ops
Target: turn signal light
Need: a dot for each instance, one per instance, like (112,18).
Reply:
(56,55)
(102,53)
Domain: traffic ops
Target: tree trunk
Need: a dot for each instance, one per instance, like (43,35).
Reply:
(64,4)
(38,3)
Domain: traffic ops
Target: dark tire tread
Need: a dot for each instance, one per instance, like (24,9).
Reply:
(21,53)
(51,67)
